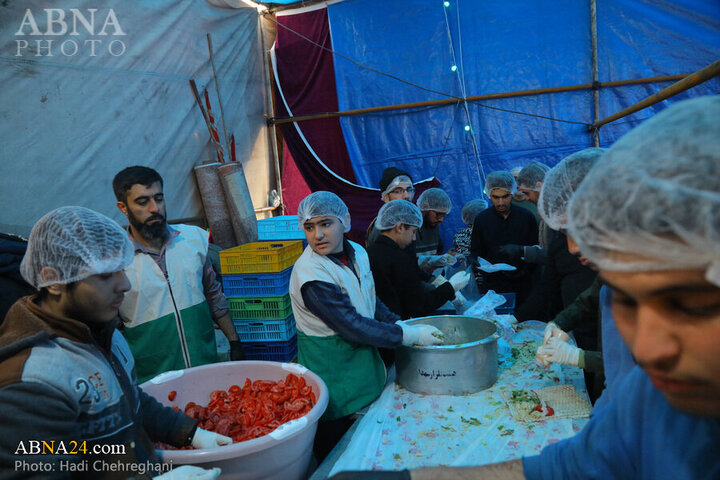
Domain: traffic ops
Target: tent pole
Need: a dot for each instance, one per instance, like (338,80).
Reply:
(270,108)
(217,90)
(490,96)
(692,80)
(595,71)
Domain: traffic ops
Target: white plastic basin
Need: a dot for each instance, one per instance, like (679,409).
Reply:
(283,454)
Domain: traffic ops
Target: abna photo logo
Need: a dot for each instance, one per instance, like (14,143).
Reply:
(102,27)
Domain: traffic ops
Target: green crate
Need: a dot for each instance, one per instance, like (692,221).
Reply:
(260,308)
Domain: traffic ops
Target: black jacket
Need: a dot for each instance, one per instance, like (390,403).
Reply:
(398,281)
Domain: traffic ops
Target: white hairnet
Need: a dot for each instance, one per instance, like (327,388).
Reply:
(397,181)
(561,182)
(654,202)
(434,199)
(75,243)
(398,211)
(323,204)
(516,171)
(500,179)
(471,209)
(532,173)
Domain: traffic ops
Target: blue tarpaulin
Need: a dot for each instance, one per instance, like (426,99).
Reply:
(472,48)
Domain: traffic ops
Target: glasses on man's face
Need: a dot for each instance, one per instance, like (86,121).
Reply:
(401,190)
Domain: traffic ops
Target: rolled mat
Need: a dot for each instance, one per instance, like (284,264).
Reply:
(213,201)
(239,203)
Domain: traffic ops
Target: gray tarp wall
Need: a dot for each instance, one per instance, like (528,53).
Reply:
(82,98)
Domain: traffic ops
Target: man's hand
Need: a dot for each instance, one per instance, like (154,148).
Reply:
(236,351)
(512,252)
(419,334)
(460,280)
(207,439)
(558,351)
(553,331)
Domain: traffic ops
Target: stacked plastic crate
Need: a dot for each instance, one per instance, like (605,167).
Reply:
(256,280)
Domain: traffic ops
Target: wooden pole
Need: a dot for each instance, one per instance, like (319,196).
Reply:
(474,98)
(270,108)
(217,90)
(692,80)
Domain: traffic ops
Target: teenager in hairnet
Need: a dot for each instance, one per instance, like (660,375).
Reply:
(650,220)
(435,205)
(340,320)
(398,284)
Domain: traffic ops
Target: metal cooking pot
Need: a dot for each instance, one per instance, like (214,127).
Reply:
(466,361)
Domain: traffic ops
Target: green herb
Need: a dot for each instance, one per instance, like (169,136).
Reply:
(524,396)
(450,409)
(397,456)
(507,433)
(472,421)
(448,428)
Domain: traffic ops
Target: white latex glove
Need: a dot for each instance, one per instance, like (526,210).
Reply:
(557,351)
(459,280)
(207,439)
(553,331)
(419,334)
(507,321)
(459,302)
(189,472)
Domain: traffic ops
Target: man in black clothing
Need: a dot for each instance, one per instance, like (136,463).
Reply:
(394,184)
(503,224)
(397,280)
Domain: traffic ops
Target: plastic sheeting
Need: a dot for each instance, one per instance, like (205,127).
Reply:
(70,121)
(499,47)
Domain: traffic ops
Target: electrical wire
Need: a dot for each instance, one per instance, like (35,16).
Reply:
(331,51)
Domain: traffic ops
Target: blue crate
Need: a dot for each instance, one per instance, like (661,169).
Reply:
(507,308)
(273,351)
(266,330)
(257,284)
(284,227)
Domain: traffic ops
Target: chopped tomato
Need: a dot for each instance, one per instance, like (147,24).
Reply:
(253,410)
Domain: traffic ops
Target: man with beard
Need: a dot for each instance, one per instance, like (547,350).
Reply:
(501,225)
(67,377)
(168,313)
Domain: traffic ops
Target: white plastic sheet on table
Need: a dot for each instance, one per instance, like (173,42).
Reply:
(406,430)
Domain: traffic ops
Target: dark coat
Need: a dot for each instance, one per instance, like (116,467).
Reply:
(398,281)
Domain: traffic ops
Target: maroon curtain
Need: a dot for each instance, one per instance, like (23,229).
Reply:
(307,80)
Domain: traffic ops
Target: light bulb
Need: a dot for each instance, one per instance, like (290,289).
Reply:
(446,4)
(467,128)
(453,68)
